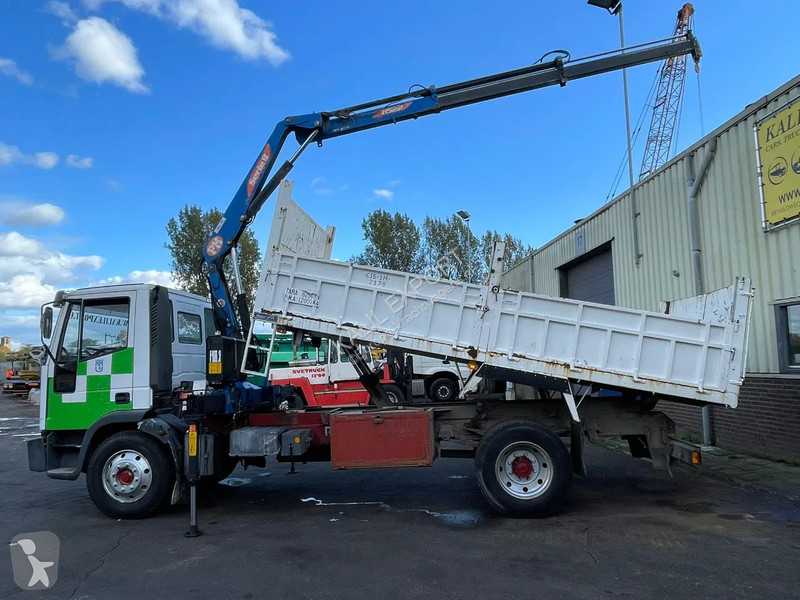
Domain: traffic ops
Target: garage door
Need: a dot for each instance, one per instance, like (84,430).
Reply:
(591,278)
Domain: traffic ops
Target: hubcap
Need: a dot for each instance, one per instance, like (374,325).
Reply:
(524,470)
(522,467)
(443,392)
(127,475)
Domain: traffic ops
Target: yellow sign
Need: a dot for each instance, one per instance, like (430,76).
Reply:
(192,443)
(214,368)
(779,154)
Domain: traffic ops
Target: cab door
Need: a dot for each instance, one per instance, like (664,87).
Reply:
(94,367)
(190,328)
(344,379)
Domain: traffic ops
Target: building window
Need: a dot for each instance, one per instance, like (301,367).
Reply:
(787,318)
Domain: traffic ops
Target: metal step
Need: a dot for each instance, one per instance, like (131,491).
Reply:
(62,473)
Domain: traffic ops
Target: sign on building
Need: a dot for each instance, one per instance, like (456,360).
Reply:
(778,149)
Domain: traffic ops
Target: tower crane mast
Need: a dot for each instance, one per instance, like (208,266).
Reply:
(667,103)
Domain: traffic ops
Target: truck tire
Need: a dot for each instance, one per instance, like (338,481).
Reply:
(395,394)
(523,469)
(130,475)
(443,390)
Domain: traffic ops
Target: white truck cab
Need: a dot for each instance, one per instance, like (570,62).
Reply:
(439,379)
(115,353)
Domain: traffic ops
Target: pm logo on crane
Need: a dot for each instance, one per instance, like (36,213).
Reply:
(258,170)
(214,245)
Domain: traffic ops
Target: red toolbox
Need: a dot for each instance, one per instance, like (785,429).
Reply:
(382,438)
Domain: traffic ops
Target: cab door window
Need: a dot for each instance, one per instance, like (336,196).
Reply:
(96,329)
(189,328)
(105,328)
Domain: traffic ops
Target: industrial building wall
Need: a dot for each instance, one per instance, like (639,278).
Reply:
(732,243)
(519,277)
(731,238)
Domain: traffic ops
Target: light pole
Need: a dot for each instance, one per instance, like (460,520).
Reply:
(614,7)
(465,215)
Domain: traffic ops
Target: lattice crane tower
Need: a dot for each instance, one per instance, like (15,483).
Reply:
(667,103)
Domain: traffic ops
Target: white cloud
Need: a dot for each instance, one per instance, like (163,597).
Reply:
(101,53)
(385,194)
(76,162)
(29,271)
(25,291)
(114,184)
(150,276)
(21,213)
(13,244)
(45,160)
(11,154)
(316,185)
(9,68)
(223,23)
(62,10)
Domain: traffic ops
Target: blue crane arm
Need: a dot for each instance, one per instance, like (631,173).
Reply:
(319,126)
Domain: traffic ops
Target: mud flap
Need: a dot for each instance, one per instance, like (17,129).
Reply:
(576,448)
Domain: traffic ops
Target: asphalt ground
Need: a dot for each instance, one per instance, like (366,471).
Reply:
(626,530)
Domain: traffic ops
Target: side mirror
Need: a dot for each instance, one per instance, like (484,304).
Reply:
(46,324)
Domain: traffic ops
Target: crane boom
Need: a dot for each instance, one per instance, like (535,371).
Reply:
(320,126)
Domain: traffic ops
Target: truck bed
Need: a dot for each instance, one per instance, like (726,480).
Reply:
(696,353)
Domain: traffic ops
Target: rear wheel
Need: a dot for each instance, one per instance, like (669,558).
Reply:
(130,475)
(443,390)
(524,470)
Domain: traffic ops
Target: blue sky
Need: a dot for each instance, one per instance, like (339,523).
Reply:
(116,113)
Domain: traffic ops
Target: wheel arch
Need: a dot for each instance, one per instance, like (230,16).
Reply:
(429,379)
(106,426)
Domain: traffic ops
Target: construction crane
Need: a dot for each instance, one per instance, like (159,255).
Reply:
(667,103)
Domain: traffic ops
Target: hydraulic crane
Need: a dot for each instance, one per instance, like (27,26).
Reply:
(418,102)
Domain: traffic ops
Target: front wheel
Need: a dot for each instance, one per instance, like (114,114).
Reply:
(394,393)
(130,475)
(523,469)
(443,390)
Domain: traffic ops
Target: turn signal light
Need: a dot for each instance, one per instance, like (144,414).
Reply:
(472,366)
(696,458)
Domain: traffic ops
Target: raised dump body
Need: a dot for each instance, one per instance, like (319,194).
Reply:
(696,353)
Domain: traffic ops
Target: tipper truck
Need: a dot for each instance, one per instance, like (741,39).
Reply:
(145,389)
